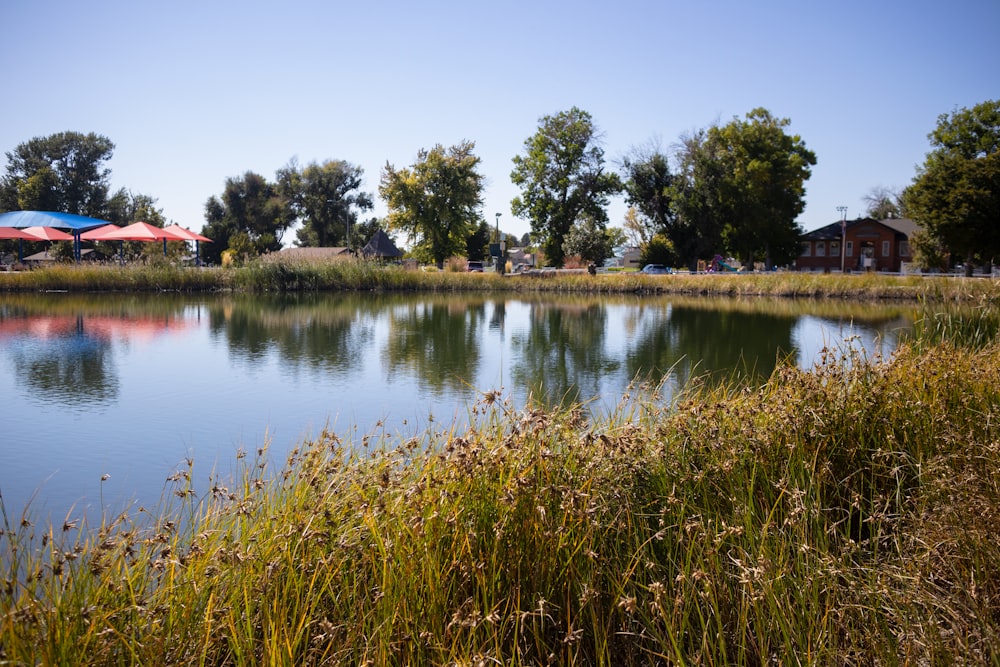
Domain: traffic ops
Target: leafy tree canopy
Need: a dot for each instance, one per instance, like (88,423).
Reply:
(648,191)
(249,205)
(696,200)
(437,201)
(326,198)
(955,196)
(478,242)
(562,180)
(64,172)
(762,189)
(593,241)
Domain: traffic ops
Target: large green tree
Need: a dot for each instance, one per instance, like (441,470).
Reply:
(477,244)
(326,198)
(64,172)
(437,201)
(955,196)
(562,180)
(648,184)
(762,187)
(696,232)
(250,211)
(592,241)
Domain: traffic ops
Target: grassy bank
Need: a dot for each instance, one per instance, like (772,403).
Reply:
(366,276)
(845,515)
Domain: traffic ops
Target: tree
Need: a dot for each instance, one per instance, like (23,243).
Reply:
(562,179)
(658,250)
(437,201)
(648,191)
(883,203)
(762,186)
(478,242)
(955,195)
(326,199)
(592,241)
(637,232)
(251,205)
(695,197)
(63,172)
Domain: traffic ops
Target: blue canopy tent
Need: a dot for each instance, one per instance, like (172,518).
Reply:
(75,223)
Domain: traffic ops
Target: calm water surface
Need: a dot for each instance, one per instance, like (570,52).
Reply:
(130,387)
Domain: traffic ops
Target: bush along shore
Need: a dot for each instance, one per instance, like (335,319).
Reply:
(841,515)
(357,275)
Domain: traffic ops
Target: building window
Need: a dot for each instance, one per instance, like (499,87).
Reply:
(806,248)
(849,249)
(904,248)
(820,248)
(885,248)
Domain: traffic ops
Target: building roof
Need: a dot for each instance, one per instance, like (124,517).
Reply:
(901,225)
(307,254)
(833,231)
(381,245)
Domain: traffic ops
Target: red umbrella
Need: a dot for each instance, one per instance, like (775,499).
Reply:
(48,234)
(98,234)
(190,236)
(141,231)
(15,233)
(186,233)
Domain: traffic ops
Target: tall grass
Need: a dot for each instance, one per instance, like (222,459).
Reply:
(358,275)
(841,515)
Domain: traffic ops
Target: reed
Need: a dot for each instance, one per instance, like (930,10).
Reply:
(844,514)
(357,275)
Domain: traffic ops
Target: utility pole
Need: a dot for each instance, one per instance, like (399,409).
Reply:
(500,248)
(843,235)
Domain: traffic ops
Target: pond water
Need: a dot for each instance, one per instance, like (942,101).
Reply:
(105,396)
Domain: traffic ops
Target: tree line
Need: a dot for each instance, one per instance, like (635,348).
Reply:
(734,188)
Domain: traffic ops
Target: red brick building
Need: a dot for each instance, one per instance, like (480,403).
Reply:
(868,245)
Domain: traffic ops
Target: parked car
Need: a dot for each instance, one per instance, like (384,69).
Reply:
(655,269)
(474,266)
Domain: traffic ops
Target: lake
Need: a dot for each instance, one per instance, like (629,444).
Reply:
(105,396)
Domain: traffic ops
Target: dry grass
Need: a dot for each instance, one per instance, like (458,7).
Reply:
(293,276)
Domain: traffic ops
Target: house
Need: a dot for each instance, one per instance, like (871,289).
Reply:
(868,245)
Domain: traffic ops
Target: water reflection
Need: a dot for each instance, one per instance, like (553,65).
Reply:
(563,354)
(68,364)
(61,349)
(437,339)
(132,385)
(328,333)
(556,350)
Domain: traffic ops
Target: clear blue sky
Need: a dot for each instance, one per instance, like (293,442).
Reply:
(192,93)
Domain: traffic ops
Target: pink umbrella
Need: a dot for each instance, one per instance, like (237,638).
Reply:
(98,234)
(141,231)
(186,233)
(48,234)
(15,233)
(190,236)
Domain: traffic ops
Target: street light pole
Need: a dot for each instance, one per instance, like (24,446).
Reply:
(843,235)
(499,248)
